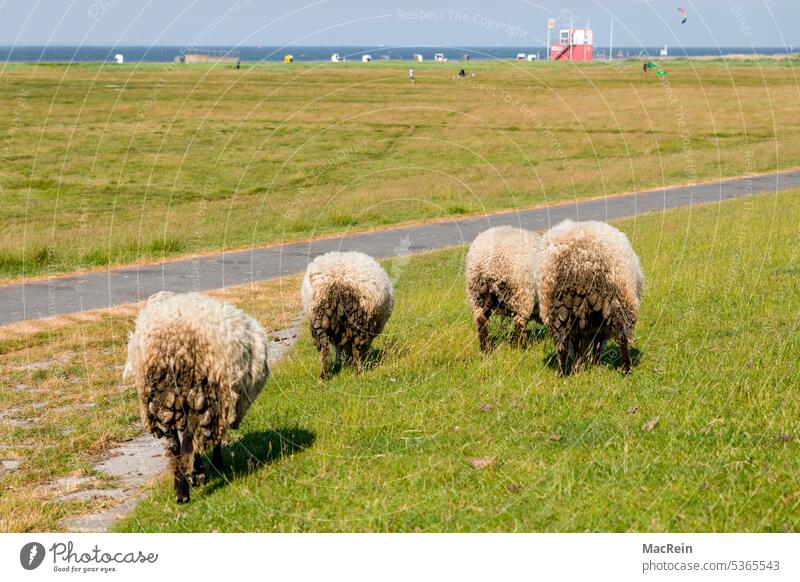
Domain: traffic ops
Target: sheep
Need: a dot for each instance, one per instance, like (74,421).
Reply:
(590,285)
(198,364)
(347,298)
(501,272)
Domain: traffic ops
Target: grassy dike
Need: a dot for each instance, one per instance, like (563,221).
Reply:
(104,164)
(703,436)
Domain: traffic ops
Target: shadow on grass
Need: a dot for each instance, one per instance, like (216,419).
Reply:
(255,450)
(372,358)
(611,359)
(504,333)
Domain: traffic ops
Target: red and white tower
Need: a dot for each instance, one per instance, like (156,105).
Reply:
(574,44)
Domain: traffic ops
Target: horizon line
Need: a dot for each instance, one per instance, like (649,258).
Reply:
(791,45)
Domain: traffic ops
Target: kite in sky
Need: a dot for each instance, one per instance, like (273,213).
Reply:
(682,12)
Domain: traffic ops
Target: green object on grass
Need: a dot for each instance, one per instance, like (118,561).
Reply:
(661,73)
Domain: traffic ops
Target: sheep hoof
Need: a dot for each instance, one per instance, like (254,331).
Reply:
(198,479)
(181,490)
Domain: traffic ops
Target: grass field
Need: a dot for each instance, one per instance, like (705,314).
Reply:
(703,436)
(109,164)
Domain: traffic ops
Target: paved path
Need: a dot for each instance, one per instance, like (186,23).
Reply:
(61,295)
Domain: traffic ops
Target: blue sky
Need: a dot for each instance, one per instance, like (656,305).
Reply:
(415,22)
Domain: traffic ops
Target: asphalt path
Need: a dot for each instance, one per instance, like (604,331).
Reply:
(73,293)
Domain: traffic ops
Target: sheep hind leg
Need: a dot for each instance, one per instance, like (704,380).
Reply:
(337,364)
(357,357)
(180,452)
(563,359)
(323,358)
(577,350)
(482,322)
(519,337)
(216,459)
(198,472)
(186,463)
(625,354)
(173,447)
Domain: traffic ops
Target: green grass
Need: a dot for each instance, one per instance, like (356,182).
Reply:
(717,349)
(108,164)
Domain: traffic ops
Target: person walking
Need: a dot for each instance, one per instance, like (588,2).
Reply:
(411,75)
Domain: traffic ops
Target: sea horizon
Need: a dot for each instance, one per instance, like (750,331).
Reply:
(312,53)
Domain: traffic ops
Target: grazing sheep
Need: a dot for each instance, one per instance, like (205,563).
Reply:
(347,298)
(502,268)
(198,365)
(590,284)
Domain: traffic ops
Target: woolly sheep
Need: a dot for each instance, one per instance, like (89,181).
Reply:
(502,267)
(590,284)
(347,298)
(198,364)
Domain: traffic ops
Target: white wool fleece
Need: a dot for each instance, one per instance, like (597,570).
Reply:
(236,344)
(613,250)
(358,270)
(509,255)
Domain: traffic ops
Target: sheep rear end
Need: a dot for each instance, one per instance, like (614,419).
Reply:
(181,402)
(490,295)
(338,318)
(584,307)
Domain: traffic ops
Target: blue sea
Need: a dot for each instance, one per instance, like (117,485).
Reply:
(158,54)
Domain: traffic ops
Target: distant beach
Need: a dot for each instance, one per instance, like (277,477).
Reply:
(162,54)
